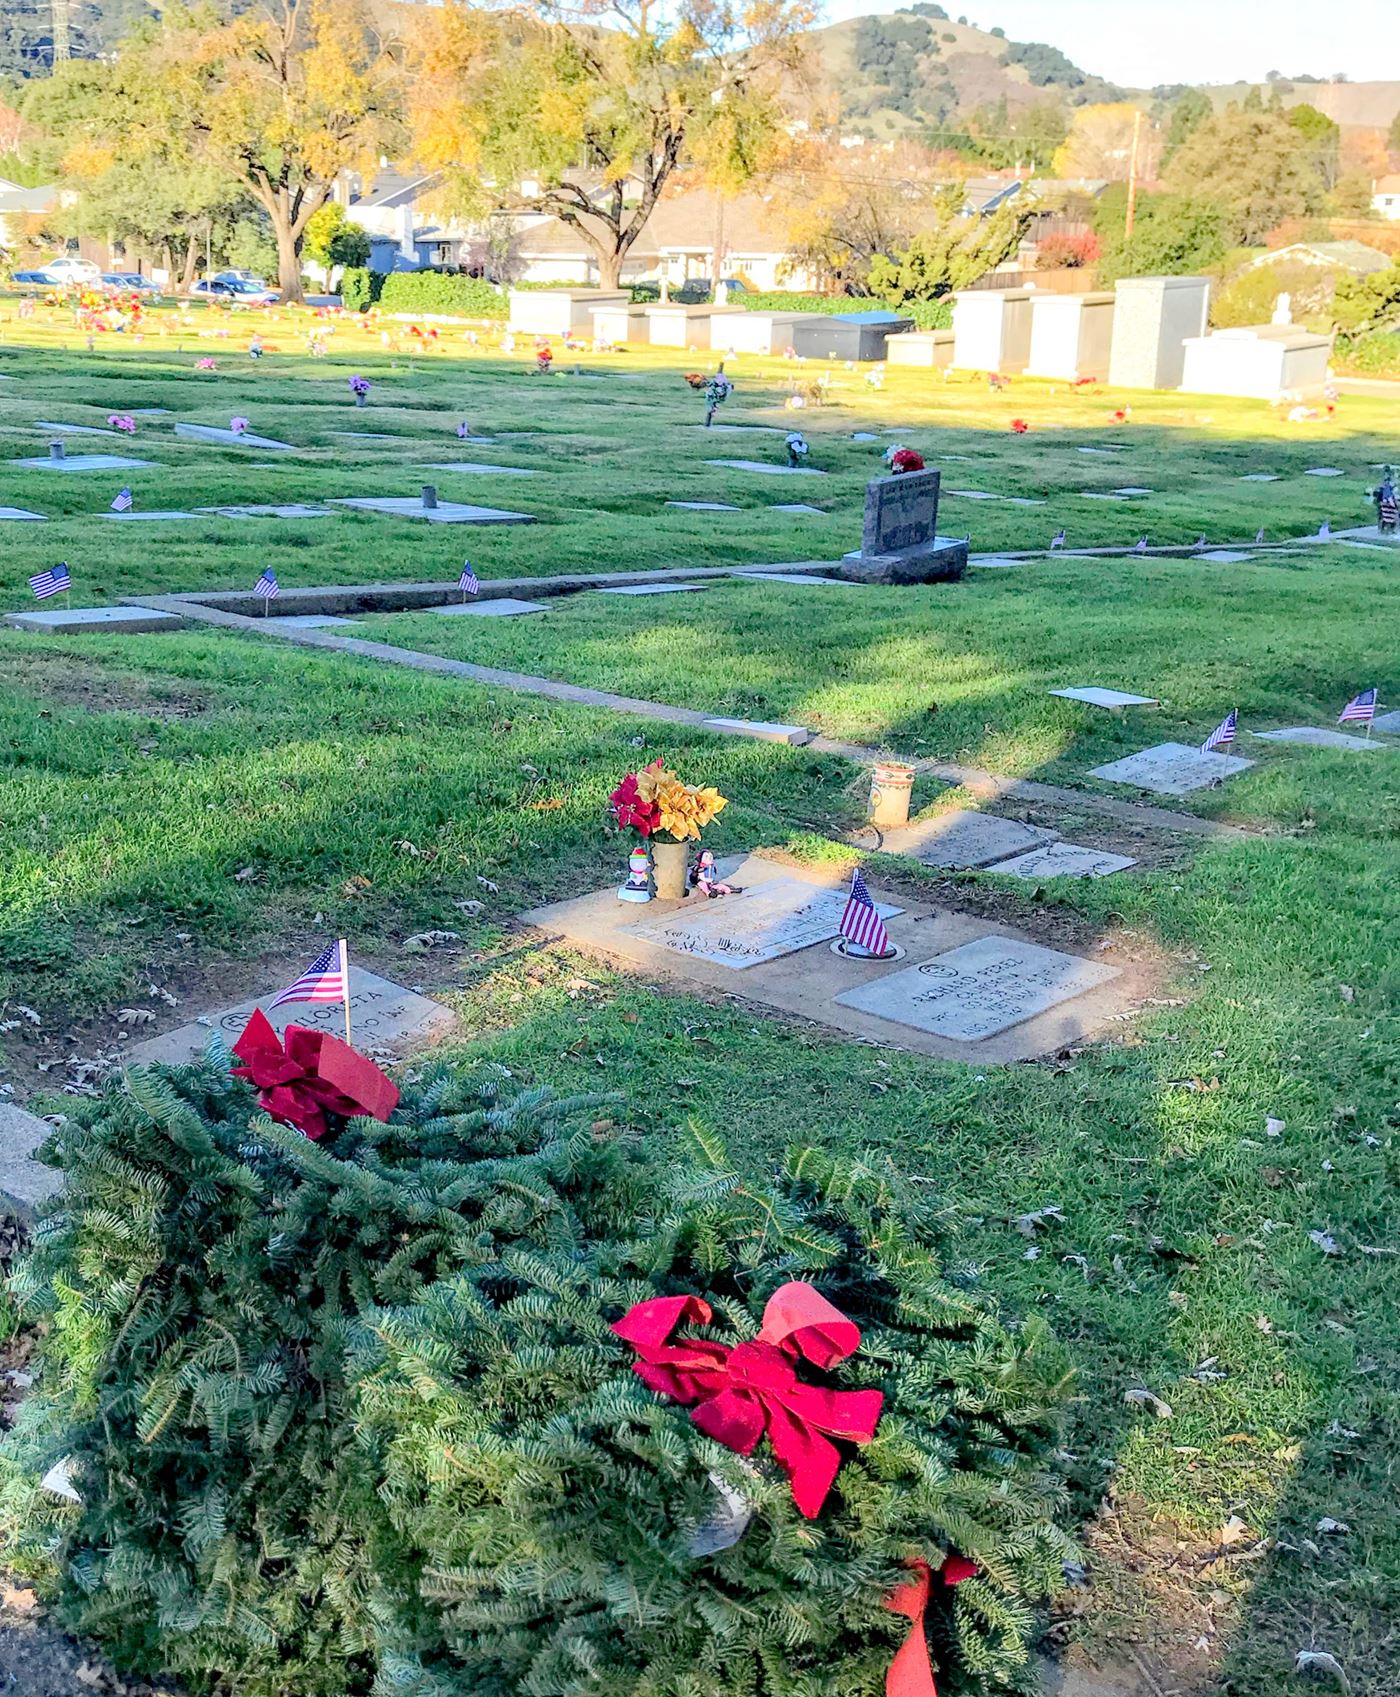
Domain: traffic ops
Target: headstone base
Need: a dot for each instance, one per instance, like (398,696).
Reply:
(944,562)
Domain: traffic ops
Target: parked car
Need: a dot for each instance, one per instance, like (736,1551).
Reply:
(130,283)
(699,289)
(248,293)
(67,269)
(41,278)
(239,277)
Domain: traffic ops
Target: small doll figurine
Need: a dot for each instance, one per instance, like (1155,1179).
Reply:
(705,880)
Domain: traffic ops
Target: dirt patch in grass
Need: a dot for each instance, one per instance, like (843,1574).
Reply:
(78,680)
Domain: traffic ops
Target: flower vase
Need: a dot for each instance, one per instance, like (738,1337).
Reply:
(668,868)
(360,400)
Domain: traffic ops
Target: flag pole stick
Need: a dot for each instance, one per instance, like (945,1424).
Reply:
(345,984)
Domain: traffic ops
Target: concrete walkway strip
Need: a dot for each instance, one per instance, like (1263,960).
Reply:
(971,778)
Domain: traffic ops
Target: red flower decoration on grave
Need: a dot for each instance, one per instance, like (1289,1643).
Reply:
(753,1388)
(910,1674)
(1020,426)
(630,810)
(309,1074)
(906,460)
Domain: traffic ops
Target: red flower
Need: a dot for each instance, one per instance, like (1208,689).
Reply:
(630,811)
(907,460)
(1020,426)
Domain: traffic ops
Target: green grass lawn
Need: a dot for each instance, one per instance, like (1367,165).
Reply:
(196,811)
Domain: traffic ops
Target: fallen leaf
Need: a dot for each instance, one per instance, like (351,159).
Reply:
(486,884)
(1328,1524)
(550,806)
(1348,994)
(1273,1127)
(135,1016)
(425,940)
(1326,1242)
(245,875)
(356,885)
(470,907)
(1149,1399)
(18,1597)
(1306,1660)
(1235,1531)
(1029,1224)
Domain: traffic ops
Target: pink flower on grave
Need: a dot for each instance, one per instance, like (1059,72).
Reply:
(205,364)
(122,421)
(238,425)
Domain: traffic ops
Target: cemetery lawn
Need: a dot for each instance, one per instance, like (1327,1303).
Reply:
(192,815)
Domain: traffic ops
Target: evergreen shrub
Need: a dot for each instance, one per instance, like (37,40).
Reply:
(348,1418)
(442,292)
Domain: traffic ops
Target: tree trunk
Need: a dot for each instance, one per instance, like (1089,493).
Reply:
(288,260)
(610,270)
(191,261)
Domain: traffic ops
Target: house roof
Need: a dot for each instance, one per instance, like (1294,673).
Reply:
(391,189)
(1387,185)
(14,199)
(1344,256)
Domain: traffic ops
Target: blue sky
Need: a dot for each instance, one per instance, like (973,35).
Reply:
(1167,41)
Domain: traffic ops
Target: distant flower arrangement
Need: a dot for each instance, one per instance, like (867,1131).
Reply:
(122,421)
(238,425)
(205,364)
(1019,426)
(359,387)
(904,459)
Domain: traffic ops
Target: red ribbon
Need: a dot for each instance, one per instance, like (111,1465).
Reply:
(910,1674)
(313,1075)
(751,1388)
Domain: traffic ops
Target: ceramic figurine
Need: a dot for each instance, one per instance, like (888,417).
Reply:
(797,449)
(1387,503)
(636,889)
(705,880)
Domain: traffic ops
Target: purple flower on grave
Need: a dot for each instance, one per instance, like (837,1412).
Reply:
(359,387)
(122,421)
(238,425)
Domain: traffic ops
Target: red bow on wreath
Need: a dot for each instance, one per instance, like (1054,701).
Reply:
(748,1389)
(315,1074)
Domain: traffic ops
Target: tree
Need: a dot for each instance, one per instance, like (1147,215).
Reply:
(1392,137)
(1251,165)
(1322,139)
(588,124)
(1100,142)
(1172,235)
(954,252)
(278,101)
(1044,64)
(1188,114)
(333,241)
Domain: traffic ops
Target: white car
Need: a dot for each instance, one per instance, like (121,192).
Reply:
(66,269)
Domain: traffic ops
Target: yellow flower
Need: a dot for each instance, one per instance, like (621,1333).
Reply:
(685,809)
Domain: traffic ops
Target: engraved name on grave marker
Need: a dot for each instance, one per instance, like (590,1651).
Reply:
(760,925)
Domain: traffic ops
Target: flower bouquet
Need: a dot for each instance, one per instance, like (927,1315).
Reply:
(904,459)
(359,388)
(655,801)
(122,421)
(239,426)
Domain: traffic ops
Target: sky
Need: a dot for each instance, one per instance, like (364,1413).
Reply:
(1166,41)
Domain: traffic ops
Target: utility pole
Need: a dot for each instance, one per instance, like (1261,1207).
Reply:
(717,290)
(1133,177)
(58,10)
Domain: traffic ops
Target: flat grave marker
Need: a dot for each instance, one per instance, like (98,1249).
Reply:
(766,730)
(763,468)
(795,577)
(498,607)
(798,507)
(705,506)
(84,462)
(1323,471)
(478,468)
(1225,556)
(383,1014)
(1113,699)
(653,589)
(978,989)
(964,838)
(446,512)
(134,517)
(1315,737)
(24,1182)
(1389,723)
(993,563)
(1064,860)
(1171,768)
(1132,489)
(1099,495)
(764,922)
(229,438)
(73,429)
(309,621)
(61,621)
(772,429)
(368,436)
(20,513)
(289,510)
(1260,477)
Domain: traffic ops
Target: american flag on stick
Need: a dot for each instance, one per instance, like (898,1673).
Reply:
(267,585)
(1140,547)
(123,502)
(1259,534)
(327,979)
(468,583)
(1360,710)
(55,581)
(1223,734)
(860,922)
(1057,540)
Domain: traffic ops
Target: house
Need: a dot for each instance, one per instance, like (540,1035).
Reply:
(1385,196)
(20,207)
(1354,257)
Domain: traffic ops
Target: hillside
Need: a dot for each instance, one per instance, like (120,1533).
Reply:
(1353,105)
(919,68)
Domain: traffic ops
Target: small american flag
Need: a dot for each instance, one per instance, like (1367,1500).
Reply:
(55,581)
(267,585)
(1324,530)
(1387,503)
(323,981)
(1057,540)
(467,583)
(1223,734)
(1360,710)
(1141,545)
(123,502)
(1201,541)
(1259,534)
(860,922)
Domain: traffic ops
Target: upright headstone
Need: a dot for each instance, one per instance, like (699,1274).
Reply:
(1071,335)
(430,496)
(992,329)
(900,541)
(1151,322)
(55,450)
